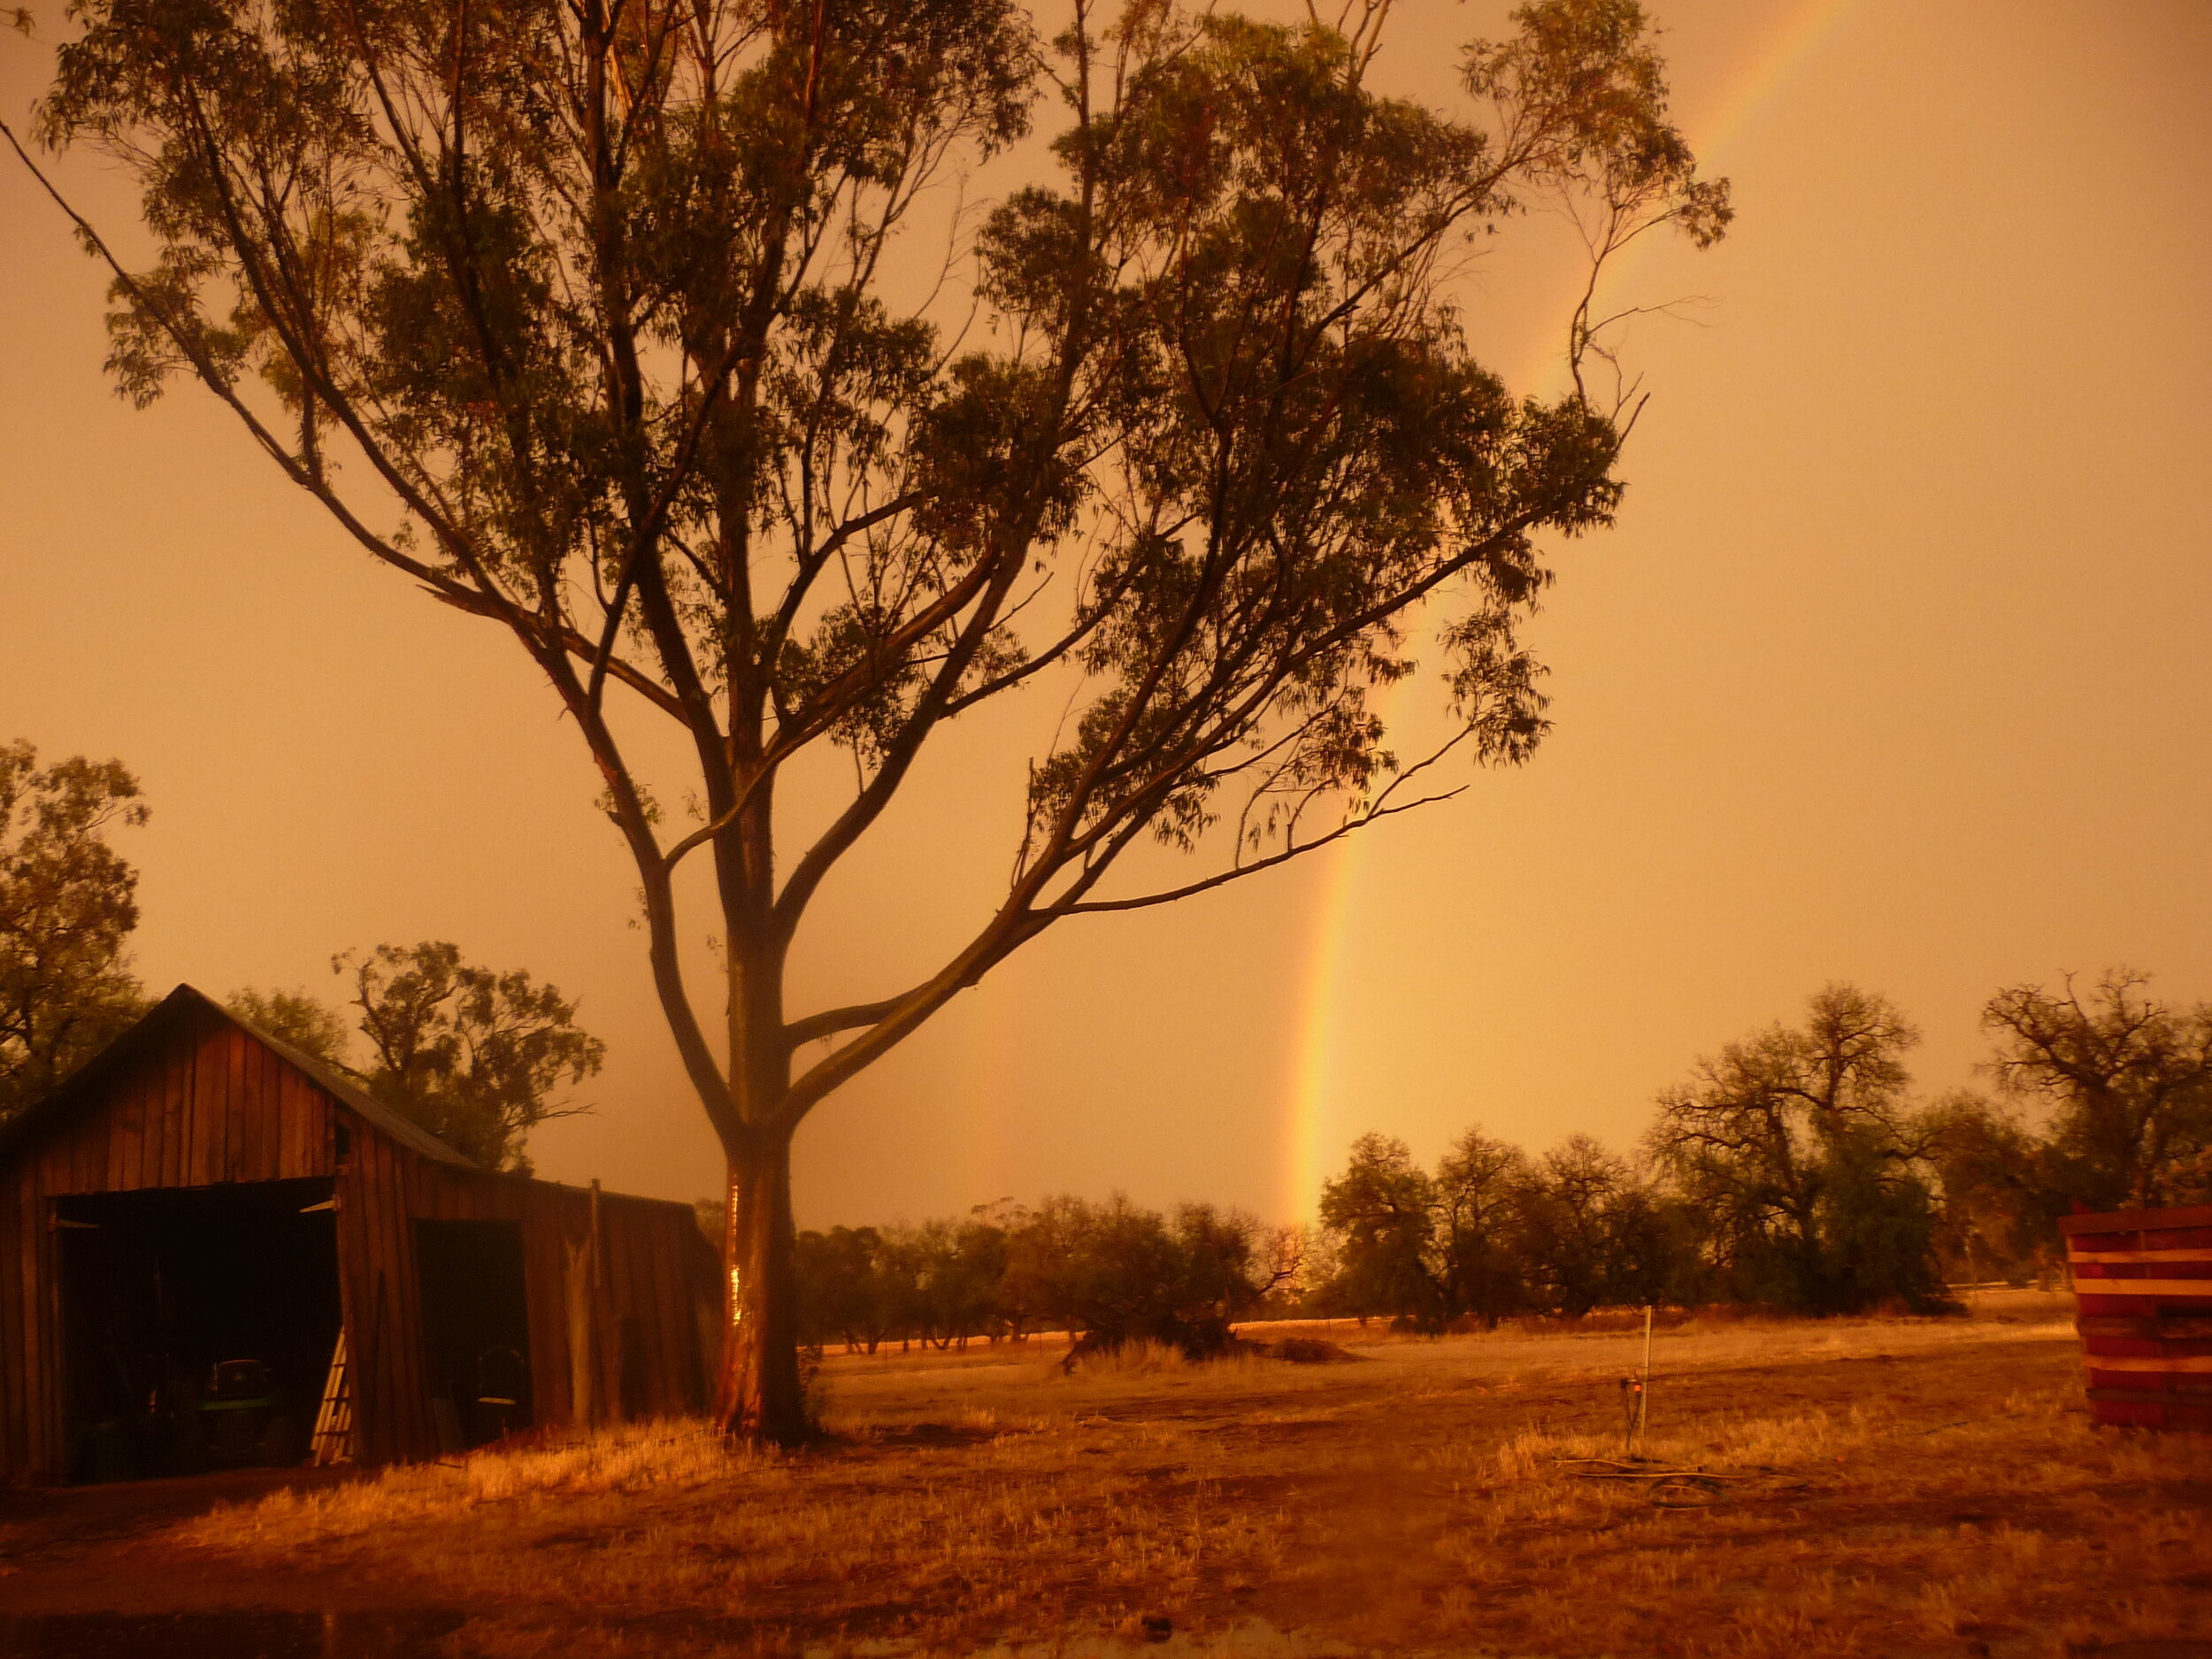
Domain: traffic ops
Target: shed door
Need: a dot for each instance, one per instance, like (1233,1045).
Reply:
(476,1329)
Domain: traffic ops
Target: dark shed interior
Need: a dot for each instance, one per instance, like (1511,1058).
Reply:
(476,1328)
(211,1245)
(162,1289)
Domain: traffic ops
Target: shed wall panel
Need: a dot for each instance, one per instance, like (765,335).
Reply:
(249,1160)
(15,1270)
(175,1071)
(210,1103)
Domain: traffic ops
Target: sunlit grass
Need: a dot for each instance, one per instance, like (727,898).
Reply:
(1906,1487)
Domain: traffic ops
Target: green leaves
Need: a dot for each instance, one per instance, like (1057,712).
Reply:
(1588,96)
(474,1056)
(593,322)
(68,905)
(295,1018)
(471,1055)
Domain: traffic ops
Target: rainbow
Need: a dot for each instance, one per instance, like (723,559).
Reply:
(1323,1116)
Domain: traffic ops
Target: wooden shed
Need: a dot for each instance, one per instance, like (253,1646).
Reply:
(210,1244)
(2143,1304)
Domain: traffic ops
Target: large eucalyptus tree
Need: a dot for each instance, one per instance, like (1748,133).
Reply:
(582,315)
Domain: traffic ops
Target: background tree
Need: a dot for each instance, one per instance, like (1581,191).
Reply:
(1479,1191)
(1382,1212)
(2001,1190)
(2127,1081)
(1494,1232)
(1106,1271)
(474,1056)
(579,317)
(1800,1147)
(471,1055)
(840,1298)
(68,901)
(937,1283)
(1793,1170)
(1108,1274)
(974,1267)
(1586,1231)
(296,1017)
(1115,1272)
(1230,1266)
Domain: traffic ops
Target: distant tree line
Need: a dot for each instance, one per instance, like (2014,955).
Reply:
(1112,1272)
(1794,1169)
(474,1056)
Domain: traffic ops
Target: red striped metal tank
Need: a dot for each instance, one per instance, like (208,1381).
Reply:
(2143,1304)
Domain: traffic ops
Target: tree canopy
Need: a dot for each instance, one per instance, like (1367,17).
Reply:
(1801,1144)
(294,1018)
(1109,1274)
(1380,1210)
(68,904)
(583,317)
(2127,1079)
(474,1056)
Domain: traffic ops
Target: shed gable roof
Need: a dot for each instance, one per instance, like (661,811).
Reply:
(183,1006)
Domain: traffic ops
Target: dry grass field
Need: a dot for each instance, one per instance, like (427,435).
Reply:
(1870,1487)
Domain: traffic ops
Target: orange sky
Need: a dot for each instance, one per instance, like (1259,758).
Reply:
(1894,670)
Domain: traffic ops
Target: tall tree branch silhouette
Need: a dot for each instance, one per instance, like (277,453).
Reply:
(578,316)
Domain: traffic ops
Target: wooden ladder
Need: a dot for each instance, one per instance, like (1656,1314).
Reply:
(334,1423)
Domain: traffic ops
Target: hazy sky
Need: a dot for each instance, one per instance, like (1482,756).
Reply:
(1894,670)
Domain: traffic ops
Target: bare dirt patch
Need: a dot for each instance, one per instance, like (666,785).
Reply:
(1892,1488)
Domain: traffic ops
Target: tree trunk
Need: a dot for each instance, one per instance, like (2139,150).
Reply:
(760,1396)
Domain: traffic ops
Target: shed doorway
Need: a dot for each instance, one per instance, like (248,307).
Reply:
(475,1329)
(197,1325)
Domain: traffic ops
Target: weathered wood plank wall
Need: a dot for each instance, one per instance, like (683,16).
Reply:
(654,1266)
(205,1109)
(201,1102)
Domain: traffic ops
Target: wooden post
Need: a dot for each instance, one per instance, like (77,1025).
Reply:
(1643,1389)
(606,1395)
(581,1284)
